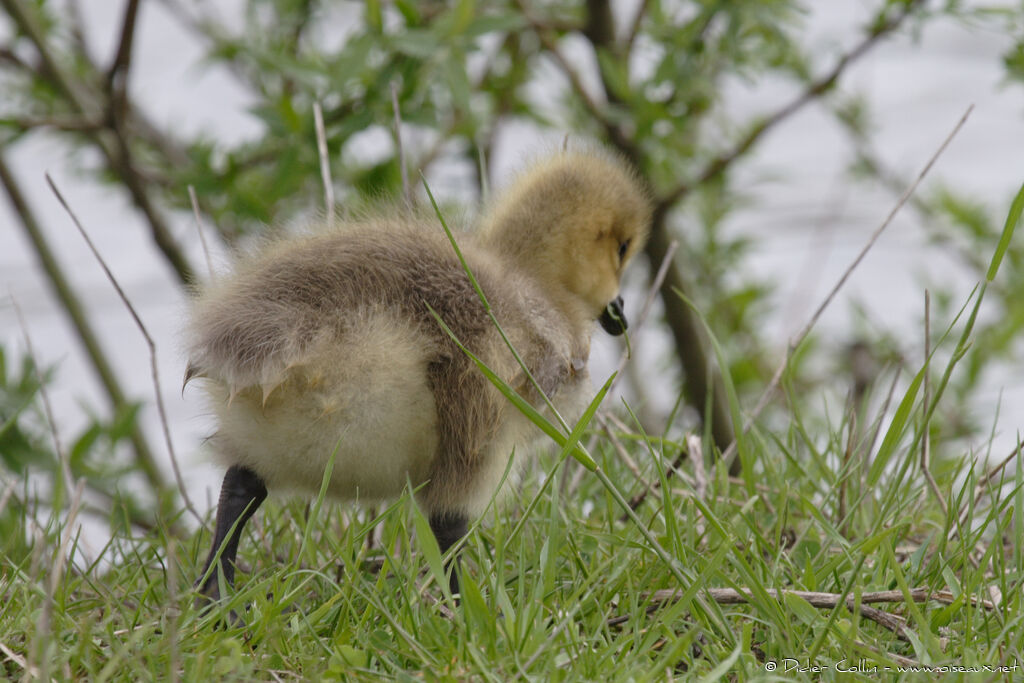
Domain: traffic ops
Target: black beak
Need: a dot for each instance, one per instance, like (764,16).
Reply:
(612,318)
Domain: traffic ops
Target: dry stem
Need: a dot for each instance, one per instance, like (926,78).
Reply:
(194,201)
(149,342)
(402,166)
(896,624)
(325,161)
(762,402)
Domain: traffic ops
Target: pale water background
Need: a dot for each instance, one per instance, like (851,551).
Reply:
(809,219)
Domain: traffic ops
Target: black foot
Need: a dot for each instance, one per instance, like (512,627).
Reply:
(240,494)
(448,528)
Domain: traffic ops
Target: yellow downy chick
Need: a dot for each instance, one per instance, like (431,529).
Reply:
(324,345)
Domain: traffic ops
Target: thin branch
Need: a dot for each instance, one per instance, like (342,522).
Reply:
(75,124)
(981,487)
(612,130)
(67,86)
(11,57)
(77,26)
(79,320)
(121,161)
(623,454)
(704,380)
(1000,467)
(794,343)
(30,671)
(732,596)
(325,161)
(634,28)
(686,330)
(149,342)
(814,90)
(402,164)
(117,75)
(116,153)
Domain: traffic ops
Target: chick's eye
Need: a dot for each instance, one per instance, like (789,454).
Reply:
(623,248)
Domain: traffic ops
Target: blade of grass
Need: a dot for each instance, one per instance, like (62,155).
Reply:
(1012,218)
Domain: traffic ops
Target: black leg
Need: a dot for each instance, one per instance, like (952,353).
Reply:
(240,494)
(449,527)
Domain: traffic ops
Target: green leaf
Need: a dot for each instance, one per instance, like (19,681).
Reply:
(616,72)
(462,16)
(724,667)
(896,428)
(1012,218)
(804,610)
(373,16)
(495,23)
(415,42)
(431,551)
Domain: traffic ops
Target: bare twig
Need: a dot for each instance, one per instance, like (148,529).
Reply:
(980,488)
(122,58)
(83,328)
(701,382)
(77,26)
(116,151)
(194,200)
(62,456)
(623,454)
(634,28)
(612,129)
(325,161)
(9,56)
(117,75)
(813,90)
(149,342)
(402,165)
(794,343)
(988,476)
(732,596)
(21,662)
(77,124)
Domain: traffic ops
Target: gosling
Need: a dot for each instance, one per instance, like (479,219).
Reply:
(326,347)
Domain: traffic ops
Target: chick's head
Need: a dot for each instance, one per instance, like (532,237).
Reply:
(573,221)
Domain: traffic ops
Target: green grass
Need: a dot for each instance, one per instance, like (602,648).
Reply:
(562,594)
